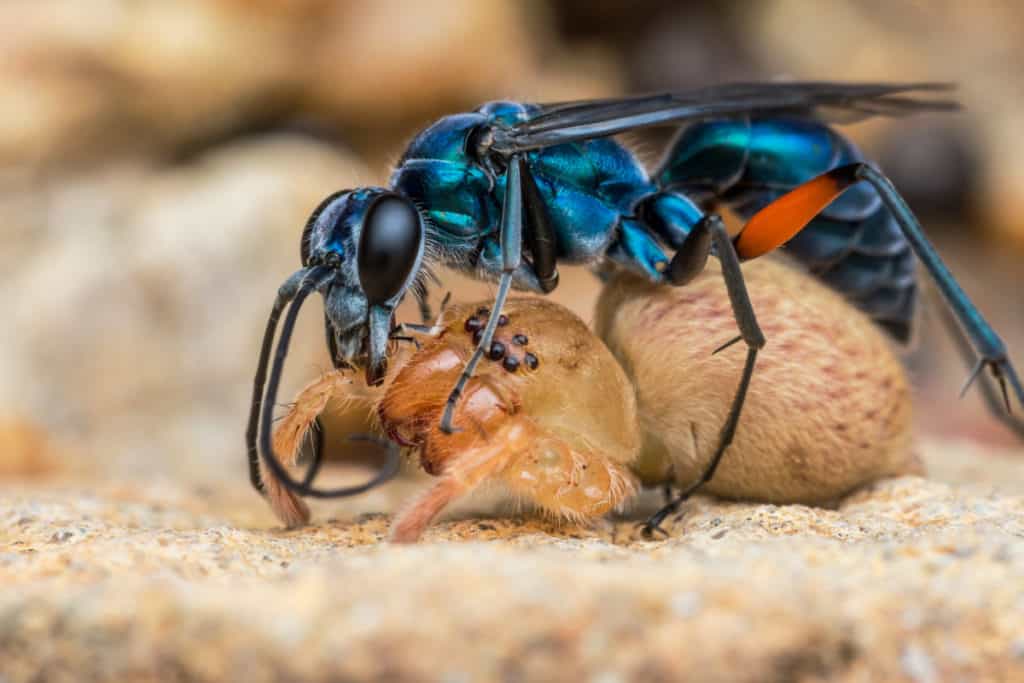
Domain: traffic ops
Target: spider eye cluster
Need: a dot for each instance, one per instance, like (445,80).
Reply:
(389,247)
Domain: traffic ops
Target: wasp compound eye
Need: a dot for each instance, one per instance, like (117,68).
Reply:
(389,246)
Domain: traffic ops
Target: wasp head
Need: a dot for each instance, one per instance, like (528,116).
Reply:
(371,242)
(362,250)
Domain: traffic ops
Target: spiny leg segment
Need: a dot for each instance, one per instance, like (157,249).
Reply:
(776,224)
(995,399)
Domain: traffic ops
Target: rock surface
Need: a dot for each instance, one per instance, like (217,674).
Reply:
(909,580)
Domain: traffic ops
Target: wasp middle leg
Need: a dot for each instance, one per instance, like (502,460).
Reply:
(707,236)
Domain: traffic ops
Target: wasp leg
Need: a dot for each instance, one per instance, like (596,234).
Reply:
(750,332)
(666,492)
(403,331)
(401,328)
(987,344)
(782,219)
(511,259)
(426,312)
(994,398)
(728,431)
(490,260)
(540,236)
(408,340)
(779,221)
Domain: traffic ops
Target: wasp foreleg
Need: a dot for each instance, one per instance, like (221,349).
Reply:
(401,331)
(511,258)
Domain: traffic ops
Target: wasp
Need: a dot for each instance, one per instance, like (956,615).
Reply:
(511,191)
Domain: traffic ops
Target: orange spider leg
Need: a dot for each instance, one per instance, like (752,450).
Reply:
(309,403)
(463,473)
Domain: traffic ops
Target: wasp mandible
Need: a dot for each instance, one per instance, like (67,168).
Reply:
(511,191)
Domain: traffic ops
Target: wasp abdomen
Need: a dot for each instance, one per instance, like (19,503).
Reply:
(854,246)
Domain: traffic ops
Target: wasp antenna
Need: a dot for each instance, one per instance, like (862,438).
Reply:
(263,410)
(285,293)
(311,280)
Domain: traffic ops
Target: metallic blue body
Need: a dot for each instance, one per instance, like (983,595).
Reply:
(603,204)
(588,188)
(855,245)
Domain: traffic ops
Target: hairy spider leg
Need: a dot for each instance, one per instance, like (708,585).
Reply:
(536,465)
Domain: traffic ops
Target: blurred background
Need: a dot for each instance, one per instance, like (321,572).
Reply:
(159,159)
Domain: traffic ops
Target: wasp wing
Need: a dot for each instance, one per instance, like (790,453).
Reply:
(564,122)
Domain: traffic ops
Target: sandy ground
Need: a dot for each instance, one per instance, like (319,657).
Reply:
(907,580)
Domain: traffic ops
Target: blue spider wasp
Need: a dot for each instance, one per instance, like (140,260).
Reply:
(511,191)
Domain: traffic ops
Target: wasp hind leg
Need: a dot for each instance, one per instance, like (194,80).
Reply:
(989,347)
(994,396)
(782,219)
